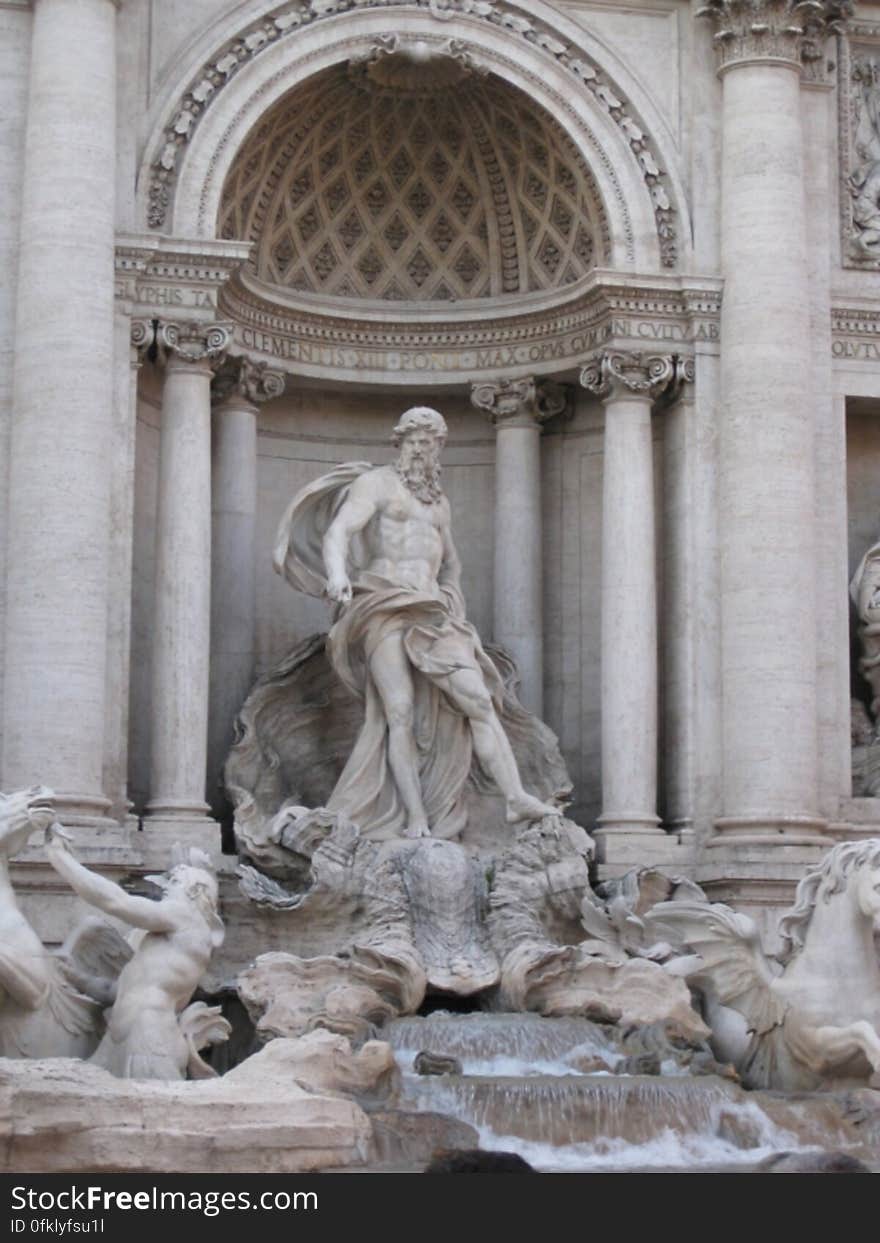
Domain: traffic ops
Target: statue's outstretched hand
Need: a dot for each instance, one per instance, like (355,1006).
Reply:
(58,839)
(339,589)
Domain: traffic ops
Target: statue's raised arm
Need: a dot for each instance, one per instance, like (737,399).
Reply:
(152,1031)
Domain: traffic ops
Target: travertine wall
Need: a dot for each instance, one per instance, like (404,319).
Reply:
(15,26)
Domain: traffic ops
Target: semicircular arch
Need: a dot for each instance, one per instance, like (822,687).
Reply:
(198,130)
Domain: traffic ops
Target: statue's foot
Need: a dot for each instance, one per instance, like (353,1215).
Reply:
(417,828)
(525,807)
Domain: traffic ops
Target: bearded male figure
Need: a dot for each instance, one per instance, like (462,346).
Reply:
(377,542)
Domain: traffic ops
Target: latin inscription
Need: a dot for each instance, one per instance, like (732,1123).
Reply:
(857,351)
(490,358)
(166,295)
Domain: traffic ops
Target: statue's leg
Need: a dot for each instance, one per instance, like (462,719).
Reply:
(467,690)
(392,675)
(24,975)
(832,1046)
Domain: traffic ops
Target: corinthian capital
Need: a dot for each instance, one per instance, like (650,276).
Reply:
(749,30)
(255,382)
(194,342)
(520,403)
(619,374)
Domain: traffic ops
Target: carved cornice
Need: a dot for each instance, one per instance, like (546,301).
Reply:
(373,345)
(612,376)
(855,334)
(192,342)
(792,31)
(519,403)
(162,274)
(240,377)
(289,18)
(856,321)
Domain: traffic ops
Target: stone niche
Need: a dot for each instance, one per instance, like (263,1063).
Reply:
(399,183)
(863,530)
(311,428)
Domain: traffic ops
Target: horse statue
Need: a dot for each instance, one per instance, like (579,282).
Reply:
(809,1017)
(51,1002)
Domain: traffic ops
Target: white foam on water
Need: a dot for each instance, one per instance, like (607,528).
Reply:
(667,1151)
(703,1147)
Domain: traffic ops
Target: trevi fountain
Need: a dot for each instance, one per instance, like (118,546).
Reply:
(440,564)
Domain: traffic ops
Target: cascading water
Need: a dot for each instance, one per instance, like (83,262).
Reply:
(523,1086)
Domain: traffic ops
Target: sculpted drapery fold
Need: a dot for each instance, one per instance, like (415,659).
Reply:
(438,640)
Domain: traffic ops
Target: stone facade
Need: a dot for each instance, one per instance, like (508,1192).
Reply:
(630,251)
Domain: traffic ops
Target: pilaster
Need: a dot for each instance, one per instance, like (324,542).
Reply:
(767,433)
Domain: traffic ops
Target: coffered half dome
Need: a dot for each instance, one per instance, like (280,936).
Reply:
(398,183)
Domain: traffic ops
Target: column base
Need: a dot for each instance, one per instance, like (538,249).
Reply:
(104,844)
(619,850)
(770,830)
(640,823)
(160,834)
(84,810)
(857,819)
(757,878)
(176,809)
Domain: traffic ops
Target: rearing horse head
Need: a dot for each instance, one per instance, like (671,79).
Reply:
(868,891)
(848,862)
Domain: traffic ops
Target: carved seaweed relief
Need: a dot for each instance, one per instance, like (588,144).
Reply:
(860,150)
(290,18)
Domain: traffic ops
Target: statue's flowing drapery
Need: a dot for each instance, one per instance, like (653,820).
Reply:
(438,640)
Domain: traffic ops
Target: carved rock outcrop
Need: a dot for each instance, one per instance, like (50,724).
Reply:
(542,904)
(66,1116)
(353,995)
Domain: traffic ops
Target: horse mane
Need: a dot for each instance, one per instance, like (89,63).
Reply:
(831,877)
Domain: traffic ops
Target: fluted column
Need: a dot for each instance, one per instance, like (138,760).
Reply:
(767,497)
(238,390)
(62,432)
(628,385)
(182,629)
(517,408)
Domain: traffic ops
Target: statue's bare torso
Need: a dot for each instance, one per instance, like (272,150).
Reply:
(406,538)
